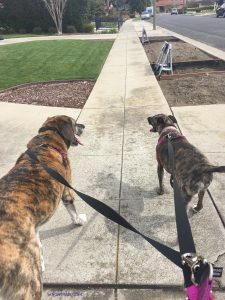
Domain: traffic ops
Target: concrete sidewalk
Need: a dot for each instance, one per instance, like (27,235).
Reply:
(117,165)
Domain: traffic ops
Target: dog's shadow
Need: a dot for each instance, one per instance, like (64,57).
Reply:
(132,202)
(49,233)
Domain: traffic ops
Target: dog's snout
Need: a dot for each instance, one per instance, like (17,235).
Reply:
(81,126)
(149,120)
(79,129)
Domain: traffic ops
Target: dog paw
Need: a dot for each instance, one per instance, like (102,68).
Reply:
(190,212)
(43,268)
(42,265)
(195,208)
(81,220)
(160,191)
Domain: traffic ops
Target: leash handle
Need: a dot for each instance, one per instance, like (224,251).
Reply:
(203,292)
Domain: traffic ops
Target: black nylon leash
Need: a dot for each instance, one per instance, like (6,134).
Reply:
(185,237)
(173,255)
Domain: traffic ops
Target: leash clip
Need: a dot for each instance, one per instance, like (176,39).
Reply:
(169,137)
(200,268)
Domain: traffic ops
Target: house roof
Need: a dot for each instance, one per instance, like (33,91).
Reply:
(170,2)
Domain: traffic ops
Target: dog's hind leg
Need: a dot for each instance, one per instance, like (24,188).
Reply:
(160,172)
(187,198)
(197,207)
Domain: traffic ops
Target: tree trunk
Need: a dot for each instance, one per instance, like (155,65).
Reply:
(56,10)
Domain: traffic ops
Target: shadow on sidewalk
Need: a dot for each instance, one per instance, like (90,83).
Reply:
(142,207)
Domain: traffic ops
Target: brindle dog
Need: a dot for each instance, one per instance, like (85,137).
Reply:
(28,198)
(193,171)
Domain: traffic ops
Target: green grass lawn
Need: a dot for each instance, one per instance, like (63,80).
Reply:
(51,60)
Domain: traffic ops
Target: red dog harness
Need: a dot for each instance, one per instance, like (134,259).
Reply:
(165,133)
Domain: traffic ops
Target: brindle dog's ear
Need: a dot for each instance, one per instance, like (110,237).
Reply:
(67,132)
(172,118)
(63,125)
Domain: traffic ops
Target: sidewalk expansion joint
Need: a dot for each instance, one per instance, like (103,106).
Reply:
(121,173)
(111,286)
(121,286)
(216,208)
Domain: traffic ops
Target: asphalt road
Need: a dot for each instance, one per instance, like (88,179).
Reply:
(207,29)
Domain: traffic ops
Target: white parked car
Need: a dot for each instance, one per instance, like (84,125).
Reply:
(145,15)
(174,11)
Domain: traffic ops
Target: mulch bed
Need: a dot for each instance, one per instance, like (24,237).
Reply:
(181,51)
(194,90)
(206,88)
(72,94)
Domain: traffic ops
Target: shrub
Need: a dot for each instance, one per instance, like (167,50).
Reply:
(113,30)
(185,9)
(10,30)
(3,30)
(110,24)
(71,29)
(198,10)
(191,9)
(209,7)
(52,29)
(88,28)
(22,31)
(104,31)
(37,30)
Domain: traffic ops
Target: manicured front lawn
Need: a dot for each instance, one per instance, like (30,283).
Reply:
(51,60)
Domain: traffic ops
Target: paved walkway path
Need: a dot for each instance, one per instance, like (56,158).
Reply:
(60,37)
(117,165)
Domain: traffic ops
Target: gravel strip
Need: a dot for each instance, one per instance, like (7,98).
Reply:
(73,94)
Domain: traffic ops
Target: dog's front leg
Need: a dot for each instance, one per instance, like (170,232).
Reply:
(68,201)
(160,172)
(41,250)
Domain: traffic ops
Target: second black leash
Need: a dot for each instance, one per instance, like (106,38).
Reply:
(196,269)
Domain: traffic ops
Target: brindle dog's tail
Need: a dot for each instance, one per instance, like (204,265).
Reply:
(214,169)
